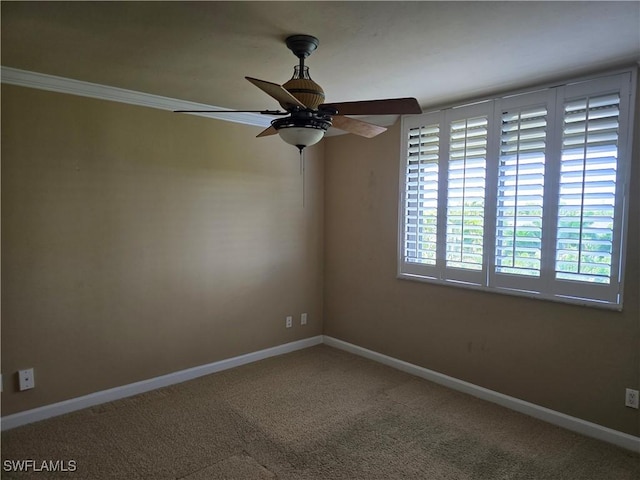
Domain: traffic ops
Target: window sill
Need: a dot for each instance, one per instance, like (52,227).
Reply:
(514,293)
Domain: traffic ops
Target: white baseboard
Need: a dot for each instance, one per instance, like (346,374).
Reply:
(67,406)
(578,425)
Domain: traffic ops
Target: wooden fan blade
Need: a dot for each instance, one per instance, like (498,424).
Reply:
(389,106)
(357,127)
(276,91)
(267,132)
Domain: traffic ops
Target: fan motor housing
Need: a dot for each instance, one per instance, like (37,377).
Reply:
(306,90)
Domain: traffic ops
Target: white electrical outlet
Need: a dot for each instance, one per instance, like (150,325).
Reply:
(303,319)
(631,398)
(26,380)
(289,322)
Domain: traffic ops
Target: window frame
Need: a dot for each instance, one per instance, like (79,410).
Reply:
(546,286)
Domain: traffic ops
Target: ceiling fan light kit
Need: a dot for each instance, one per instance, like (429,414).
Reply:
(301,137)
(309,117)
(303,128)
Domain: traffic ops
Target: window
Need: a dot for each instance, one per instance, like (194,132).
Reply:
(524,194)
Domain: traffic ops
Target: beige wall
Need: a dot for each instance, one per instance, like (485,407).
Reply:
(572,359)
(138,242)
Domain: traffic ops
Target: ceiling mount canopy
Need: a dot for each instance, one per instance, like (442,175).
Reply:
(302,45)
(307,116)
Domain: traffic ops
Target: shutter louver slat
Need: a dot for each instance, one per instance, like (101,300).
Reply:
(587,189)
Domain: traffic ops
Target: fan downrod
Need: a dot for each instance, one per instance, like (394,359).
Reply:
(302,45)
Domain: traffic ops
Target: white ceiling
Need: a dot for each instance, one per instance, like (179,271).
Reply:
(438,52)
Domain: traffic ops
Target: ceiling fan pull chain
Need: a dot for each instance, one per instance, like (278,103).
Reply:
(302,173)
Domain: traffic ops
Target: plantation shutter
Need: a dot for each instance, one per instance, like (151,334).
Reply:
(420,210)
(520,192)
(587,189)
(465,193)
(590,191)
(524,125)
(466,172)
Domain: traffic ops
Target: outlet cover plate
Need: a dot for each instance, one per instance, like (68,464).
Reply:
(631,398)
(25,379)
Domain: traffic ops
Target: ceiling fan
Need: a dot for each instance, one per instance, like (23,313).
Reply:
(306,118)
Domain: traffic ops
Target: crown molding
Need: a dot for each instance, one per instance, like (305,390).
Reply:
(41,81)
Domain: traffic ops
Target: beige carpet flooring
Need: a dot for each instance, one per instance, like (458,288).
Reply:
(318,413)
